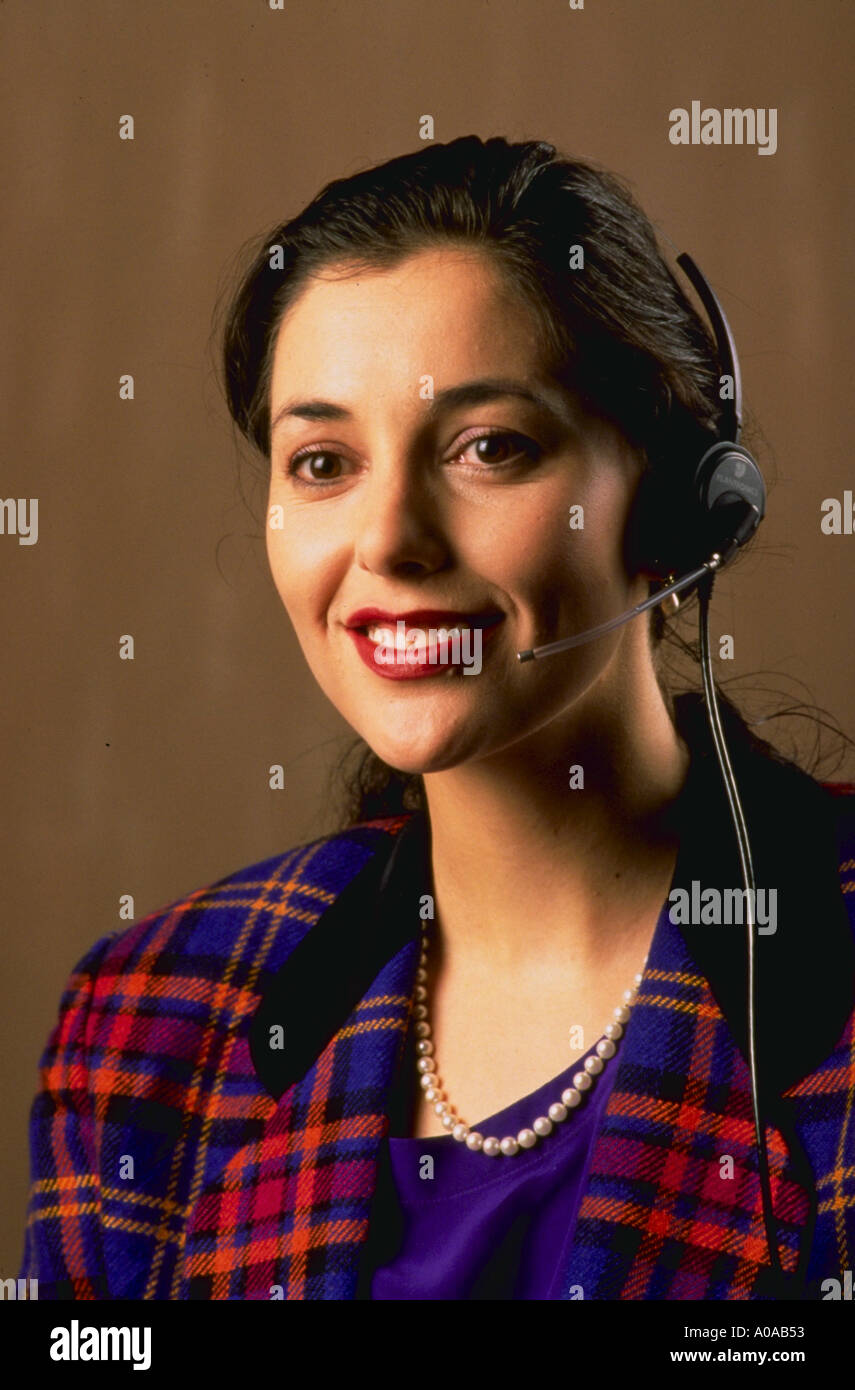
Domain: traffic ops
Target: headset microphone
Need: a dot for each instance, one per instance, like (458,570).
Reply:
(723,500)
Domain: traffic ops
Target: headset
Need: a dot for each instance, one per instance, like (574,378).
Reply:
(723,500)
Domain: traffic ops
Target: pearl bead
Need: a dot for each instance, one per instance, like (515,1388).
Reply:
(543,1125)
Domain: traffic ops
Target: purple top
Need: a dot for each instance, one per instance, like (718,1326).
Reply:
(494,1228)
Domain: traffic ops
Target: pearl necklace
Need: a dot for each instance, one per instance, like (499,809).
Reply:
(544,1124)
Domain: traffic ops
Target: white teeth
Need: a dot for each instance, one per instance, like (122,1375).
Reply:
(412,636)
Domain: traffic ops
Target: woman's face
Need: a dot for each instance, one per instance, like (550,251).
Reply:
(424,462)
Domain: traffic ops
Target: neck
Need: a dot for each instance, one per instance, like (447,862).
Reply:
(522,862)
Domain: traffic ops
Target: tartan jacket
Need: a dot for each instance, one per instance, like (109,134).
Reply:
(175,1156)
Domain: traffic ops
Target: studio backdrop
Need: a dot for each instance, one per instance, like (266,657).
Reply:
(151,678)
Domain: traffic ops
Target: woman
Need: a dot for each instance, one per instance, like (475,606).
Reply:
(463,1048)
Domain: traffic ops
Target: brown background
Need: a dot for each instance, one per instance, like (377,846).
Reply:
(150,777)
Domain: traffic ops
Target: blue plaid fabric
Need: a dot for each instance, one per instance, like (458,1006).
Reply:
(162,1168)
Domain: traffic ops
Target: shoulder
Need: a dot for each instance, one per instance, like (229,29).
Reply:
(842,801)
(213,945)
(843,794)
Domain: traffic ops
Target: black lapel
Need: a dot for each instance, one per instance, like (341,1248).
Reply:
(334,965)
(806,969)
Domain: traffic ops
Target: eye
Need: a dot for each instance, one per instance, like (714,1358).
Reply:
(323,466)
(498,448)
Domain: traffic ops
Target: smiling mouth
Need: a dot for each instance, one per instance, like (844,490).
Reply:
(405,649)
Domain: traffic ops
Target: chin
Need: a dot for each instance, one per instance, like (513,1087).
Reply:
(411,761)
(417,755)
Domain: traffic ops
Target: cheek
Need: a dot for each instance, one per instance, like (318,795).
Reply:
(280,558)
(306,581)
(305,559)
(606,516)
(297,579)
(565,562)
(566,543)
(591,546)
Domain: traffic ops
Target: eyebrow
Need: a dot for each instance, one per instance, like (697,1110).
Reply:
(449,398)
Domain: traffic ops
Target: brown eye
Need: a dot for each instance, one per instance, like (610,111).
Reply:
(498,448)
(322,466)
(492,448)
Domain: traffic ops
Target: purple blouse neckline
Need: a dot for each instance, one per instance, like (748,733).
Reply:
(457,1160)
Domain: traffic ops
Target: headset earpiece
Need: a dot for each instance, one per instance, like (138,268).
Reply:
(731,495)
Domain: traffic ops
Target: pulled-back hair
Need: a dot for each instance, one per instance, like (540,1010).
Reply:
(621,333)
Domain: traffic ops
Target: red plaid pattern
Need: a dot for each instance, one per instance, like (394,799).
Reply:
(163,1170)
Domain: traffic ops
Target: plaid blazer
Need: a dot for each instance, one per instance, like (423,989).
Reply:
(170,1160)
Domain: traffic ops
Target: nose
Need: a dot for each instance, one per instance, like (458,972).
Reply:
(399,526)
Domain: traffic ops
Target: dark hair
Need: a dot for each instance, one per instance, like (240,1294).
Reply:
(622,334)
